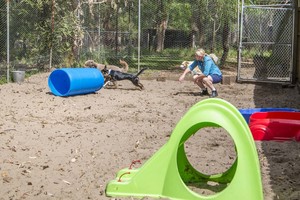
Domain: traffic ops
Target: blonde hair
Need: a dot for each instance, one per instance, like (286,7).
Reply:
(200,52)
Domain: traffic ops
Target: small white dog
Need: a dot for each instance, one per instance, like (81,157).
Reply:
(196,70)
(185,64)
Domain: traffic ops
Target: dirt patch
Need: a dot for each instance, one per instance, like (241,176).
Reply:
(69,148)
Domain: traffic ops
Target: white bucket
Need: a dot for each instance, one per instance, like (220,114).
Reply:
(18,76)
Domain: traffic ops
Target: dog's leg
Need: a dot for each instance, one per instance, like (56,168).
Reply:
(115,84)
(106,83)
(137,83)
(140,86)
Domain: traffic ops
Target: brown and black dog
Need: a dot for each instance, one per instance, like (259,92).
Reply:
(112,76)
(93,64)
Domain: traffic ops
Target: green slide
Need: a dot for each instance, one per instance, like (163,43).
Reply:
(167,172)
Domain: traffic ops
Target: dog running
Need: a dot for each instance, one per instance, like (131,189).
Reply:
(111,75)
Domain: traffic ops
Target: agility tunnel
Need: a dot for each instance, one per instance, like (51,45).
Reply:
(75,81)
(167,173)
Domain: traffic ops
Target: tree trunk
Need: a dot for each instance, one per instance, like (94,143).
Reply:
(74,57)
(162,24)
(198,27)
(160,35)
(212,48)
(225,42)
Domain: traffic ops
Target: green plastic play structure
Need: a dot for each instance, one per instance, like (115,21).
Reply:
(166,173)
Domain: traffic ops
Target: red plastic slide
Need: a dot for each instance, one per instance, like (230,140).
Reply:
(280,126)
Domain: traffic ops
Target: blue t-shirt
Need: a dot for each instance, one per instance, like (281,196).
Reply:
(207,67)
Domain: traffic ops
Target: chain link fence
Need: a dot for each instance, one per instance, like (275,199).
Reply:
(3,39)
(170,31)
(156,34)
(22,47)
(267,41)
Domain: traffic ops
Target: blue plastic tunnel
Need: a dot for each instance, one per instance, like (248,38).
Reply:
(74,81)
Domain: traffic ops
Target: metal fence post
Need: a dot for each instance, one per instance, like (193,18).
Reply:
(139,36)
(7,49)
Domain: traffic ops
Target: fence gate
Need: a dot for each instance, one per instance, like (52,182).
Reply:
(266,42)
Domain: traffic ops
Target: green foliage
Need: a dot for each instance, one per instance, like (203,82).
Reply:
(3,80)
(39,26)
(180,16)
(251,52)
(44,26)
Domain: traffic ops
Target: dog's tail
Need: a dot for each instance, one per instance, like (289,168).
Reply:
(141,71)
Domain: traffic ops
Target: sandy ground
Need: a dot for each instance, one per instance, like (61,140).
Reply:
(70,148)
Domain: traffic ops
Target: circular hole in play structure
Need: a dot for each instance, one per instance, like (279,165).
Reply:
(210,151)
